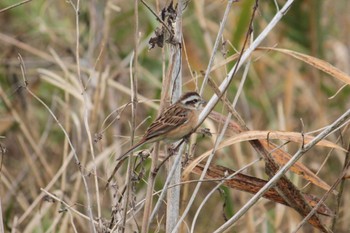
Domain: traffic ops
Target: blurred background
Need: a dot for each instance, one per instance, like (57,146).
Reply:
(281,93)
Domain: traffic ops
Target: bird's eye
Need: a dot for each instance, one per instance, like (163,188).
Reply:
(192,102)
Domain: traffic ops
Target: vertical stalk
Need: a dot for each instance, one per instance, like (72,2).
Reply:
(86,121)
(133,80)
(173,194)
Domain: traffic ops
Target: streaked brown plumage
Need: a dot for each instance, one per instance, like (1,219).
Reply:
(176,122)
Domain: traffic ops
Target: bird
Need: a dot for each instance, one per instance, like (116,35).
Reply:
(175,122)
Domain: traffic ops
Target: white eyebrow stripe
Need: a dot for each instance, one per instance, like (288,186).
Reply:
(190,99)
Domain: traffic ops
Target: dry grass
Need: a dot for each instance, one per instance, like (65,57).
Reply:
(68,107)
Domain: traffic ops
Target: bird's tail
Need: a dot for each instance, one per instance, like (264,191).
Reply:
(134,147)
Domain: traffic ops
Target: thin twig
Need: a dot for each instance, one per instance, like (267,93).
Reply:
(167,184)
(341,190)
(1,218)
(175,165)
(222,181)
(69,207)
(216,45)
(133,80)
(14,5)
(158,18)
(86,119)
(244,56)
(68,139)
(326,195)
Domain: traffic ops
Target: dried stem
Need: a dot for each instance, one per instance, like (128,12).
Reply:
(216,45)
(216,188)
(244,56)
(14,5)
(69,141)
(330,129)
(174,167)
(134,101)
(86,101)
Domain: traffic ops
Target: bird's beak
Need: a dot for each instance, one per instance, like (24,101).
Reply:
(203,102)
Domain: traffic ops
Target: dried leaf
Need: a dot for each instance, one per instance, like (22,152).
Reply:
(280,156)
(315,62)
(281,135)
(252,185)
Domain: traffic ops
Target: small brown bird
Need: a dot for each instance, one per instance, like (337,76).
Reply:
(176,122)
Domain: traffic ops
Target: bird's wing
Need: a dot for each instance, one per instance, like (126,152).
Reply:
(170,119)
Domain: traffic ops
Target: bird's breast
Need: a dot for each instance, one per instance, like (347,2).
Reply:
(184,129)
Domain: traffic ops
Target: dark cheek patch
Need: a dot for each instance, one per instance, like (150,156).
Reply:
(192,102)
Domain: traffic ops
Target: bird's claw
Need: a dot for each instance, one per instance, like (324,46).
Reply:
(205,132)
